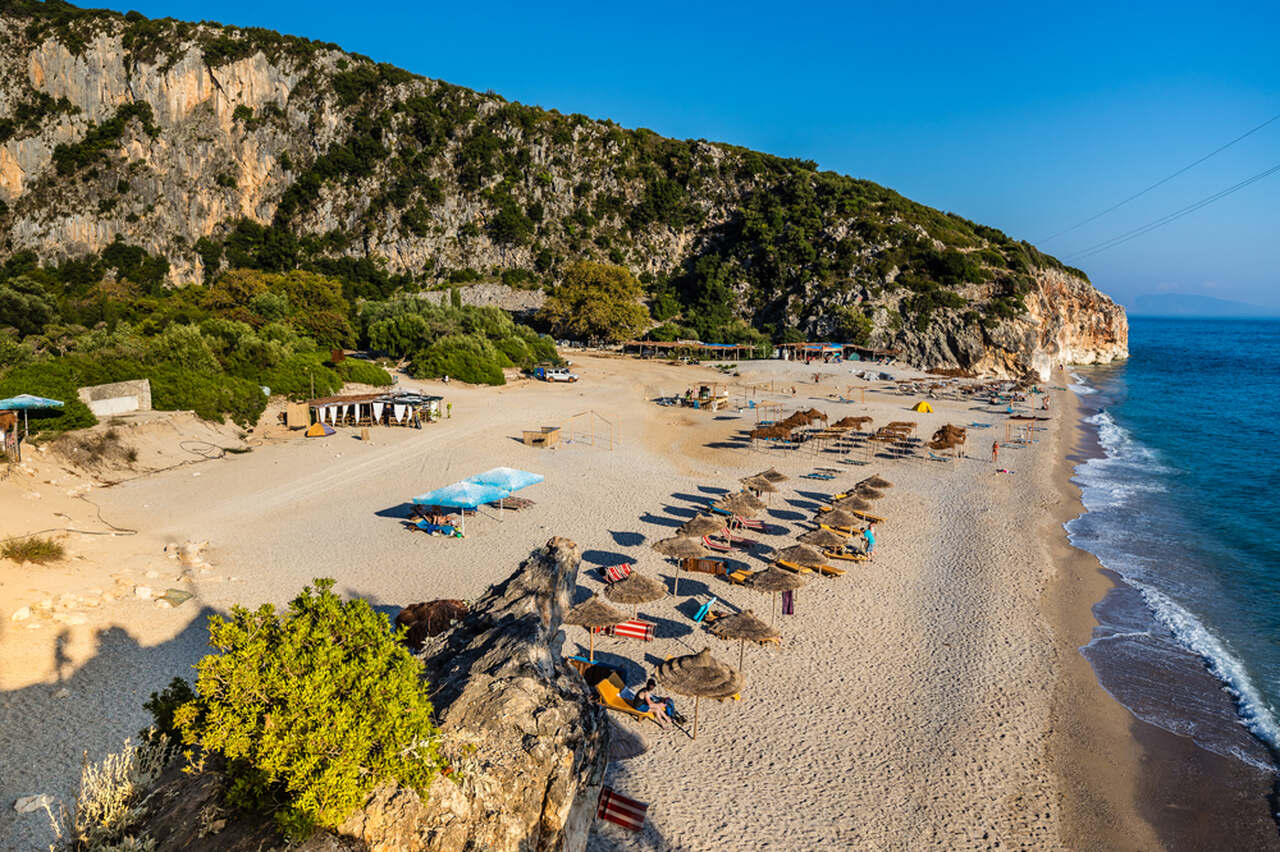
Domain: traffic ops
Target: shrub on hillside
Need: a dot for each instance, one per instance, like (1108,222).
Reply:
(311,708)
(364,372)
(465,357)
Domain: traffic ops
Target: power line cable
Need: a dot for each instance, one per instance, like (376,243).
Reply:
(1160,182)
(1177,214)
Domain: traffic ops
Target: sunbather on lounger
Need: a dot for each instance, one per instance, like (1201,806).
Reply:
(663,709)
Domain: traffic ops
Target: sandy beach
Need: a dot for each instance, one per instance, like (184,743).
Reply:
(930,699)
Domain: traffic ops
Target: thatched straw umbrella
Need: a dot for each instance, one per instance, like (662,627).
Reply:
(801,554)
(775,431)
(760,485)
(837,518)
(822,538)
(744,626)
(874,481)
(741,503)
(699,676)
(635,588)
(773,475)
(678,547)
(773,580)
(815,414)
(593,614)
(700,525)
(853,502)
(867,493)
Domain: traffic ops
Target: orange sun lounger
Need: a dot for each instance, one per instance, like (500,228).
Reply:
(608,684)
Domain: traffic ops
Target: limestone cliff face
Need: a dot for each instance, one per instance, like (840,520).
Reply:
(1066,322)
(216,147)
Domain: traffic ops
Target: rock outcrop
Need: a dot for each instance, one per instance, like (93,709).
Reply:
(526,744)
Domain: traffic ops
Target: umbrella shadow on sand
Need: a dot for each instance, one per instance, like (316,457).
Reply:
(687,586)
(659,520)
(711,489)
(685,511)
(697,499)
(605,557)
(785,515)
(400,511)
(813,495)
(627,539)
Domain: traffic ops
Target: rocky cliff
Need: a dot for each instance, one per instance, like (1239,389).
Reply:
(213,147)
(526,744)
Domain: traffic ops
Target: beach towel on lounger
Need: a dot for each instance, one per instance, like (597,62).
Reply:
(614,573)
(788,602)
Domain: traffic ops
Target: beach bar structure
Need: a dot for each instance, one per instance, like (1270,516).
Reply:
(678,348)
(822,351)
(399,408)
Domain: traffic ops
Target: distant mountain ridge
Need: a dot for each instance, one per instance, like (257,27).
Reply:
(212,147)
(1194,305)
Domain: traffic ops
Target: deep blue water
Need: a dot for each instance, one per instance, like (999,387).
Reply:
(1184,505)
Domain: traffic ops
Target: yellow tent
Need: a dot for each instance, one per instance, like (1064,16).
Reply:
(923,407)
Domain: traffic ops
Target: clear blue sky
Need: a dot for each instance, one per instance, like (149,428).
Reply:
(1013,115)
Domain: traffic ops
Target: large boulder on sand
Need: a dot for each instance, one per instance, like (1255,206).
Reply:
(526,743)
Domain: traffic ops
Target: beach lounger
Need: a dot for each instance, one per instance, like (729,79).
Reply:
(854,461)
(614,573)
(634,628)
(619,810)
(718,547)
(728,536)
(847,557)
(868,517)
(830,570)
(608,683)
(747,523)
(791,566)
(702,611)
(738,575)
(823,476)
(703,564)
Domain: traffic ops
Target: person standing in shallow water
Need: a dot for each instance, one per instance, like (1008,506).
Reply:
(995,452)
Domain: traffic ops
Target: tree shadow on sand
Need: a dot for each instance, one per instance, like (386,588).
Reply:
(43,738)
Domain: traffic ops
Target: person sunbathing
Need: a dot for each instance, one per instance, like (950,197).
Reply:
(644,700)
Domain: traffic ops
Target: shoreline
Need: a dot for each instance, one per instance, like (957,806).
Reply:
(1125,783)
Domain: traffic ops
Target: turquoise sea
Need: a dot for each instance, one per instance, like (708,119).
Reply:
(1182,500)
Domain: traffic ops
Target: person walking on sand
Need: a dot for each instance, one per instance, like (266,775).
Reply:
(869,536)
(995,452)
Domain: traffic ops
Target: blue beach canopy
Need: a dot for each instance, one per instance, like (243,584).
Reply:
(462,495)
(507,478)
(27,402)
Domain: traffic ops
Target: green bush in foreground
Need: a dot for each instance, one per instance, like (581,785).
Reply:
(32,549)
(311,709)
